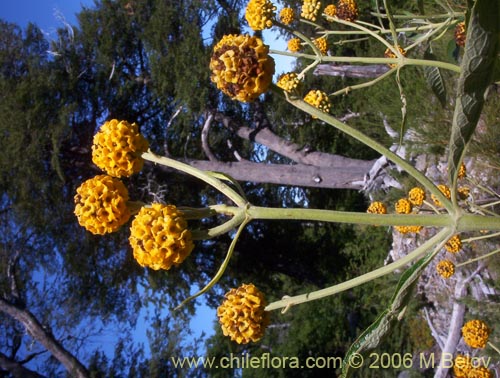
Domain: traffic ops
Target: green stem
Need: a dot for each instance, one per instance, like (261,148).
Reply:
(186,168)
(478,258)
(471,222)
(235,221)
(358,135)
(475,238)
(415,17)
(382,271)
(492,346)
(442,220)
(364,85)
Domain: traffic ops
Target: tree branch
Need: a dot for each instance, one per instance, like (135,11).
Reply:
(204,138)
(289,149)
(16,368)
(37,331)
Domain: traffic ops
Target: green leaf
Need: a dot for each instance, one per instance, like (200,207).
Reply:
(372,336)
(477,69)
(434,78)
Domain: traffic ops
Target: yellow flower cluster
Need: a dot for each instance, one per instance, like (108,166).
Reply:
(101,204)
(445,190)
(321,44)
(462,366)
(289,82)
(445,268)
(408,229)
(460,34)
(330,10)
(463,192)
(118,147)
(241,67)
(159,237)
(479,372)
(416,196)
(287,15)
(242,315)
(318,99)
(260,14)
(294,45)
(347,10)
(476,333)
(377,207)
(462,171)
(390,54)
(403,206)
(310,9)
(454,244)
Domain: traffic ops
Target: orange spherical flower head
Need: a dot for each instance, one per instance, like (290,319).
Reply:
(376,207)
(287,15)
(463,192)
(242,315)
(480,372)
(454,244)
(460,34)
(101,204)
(118,147)
(289,82)
(462,171)
(445,190)
(321,44)
(403,206)
(159,237)
(318,99)
(330,11)
(241,67)
(390,54)
(475,333)
(462,366)
(445,268)
(310,9)
(294,45)
(408,229)
(347,10)
(260,14)
(416,196)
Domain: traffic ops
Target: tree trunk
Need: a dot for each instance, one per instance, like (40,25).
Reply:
(350,177)
(40,334)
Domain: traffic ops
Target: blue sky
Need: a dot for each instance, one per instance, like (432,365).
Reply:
(45,13)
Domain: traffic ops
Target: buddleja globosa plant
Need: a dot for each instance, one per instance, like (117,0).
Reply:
(242,67)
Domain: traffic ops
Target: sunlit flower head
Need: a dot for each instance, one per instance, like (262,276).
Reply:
(461,366)
(460,34)
(159,237)
(445,268)
(462,171)
(463,192)
(390,54)
(289,82)
(242,315)
(330,10)
(347,10)
(260,14)
(101,204)
(445,190)
(377,207)
(408,229)
(322,45)
(454,244)
(403,206)
(318,99)
(416,196)
(287,15)
(480,372)
(310,9)
(118,147)
(242,67)
(476,333)
(294,45)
